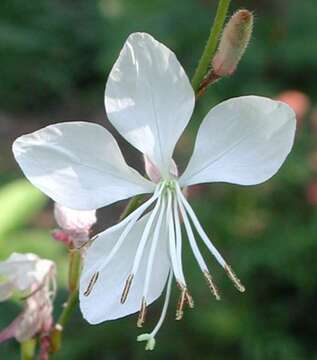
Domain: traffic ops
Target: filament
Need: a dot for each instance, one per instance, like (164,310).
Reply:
(199,229)
(171,239)
(208,243)
(131,220)
(153,249)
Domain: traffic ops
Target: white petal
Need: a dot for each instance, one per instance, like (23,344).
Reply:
(79,165)
(243,141)
(103,303)
(149,98)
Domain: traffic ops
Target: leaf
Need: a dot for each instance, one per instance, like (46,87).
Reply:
(19,202)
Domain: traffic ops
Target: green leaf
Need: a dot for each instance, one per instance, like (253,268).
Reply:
(19,202)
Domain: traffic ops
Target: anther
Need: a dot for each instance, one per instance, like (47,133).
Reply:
(189,299)
(142,314)
(212,286)
(126,289)
(92,283)
(180,305)
(234,278)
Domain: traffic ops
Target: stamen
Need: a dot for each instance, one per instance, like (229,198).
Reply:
(153,249)
(199,228)
(180,305)
(144,238)
(207,241)
(234,278)
(171,239)
(131,220)
(178,242)
(142,314)
(184,298)
(189,299)
(196,252)
(126,289)
(212,286)
(92,283)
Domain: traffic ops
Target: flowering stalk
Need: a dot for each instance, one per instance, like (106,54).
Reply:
(233,43)
(56,337)
(27,349)
(74,269)
(73,277)
(211,45)
(73,280)
(198,77)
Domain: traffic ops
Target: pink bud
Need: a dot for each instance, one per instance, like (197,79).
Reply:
(233,43)
(62,236)
(75,225)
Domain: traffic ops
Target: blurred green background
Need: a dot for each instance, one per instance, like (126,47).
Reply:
(54,61)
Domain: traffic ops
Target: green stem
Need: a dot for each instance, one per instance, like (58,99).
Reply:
(74,273)
(27,349)
(68,309)
(211,45)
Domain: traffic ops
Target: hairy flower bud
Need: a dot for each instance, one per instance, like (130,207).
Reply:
(233,42)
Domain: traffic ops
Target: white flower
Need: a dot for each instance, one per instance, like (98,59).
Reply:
(149,100)
(75,225)
(34,279)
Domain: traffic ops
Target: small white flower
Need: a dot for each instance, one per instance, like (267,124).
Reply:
(149,100)
(75,225)
(34,279)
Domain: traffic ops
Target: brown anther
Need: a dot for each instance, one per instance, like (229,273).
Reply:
(126,289)
(234,278)
(212,286)
(92,283)
(180,304)
(189,299)
(142,314)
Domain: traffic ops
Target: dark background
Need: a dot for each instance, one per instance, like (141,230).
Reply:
(54,61)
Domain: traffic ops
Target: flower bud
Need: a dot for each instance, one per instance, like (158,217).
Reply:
(233,42)
(75,225)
